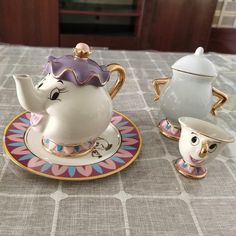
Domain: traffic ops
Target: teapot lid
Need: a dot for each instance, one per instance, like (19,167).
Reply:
(196,64)
(78,69)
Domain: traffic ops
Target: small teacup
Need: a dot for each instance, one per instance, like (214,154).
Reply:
(200,142)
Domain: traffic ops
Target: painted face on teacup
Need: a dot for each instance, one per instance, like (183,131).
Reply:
(196,148)
(201,140)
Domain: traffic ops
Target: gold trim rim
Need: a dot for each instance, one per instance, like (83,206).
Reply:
(67,145)
(167,135)
(69,178)
(75,155)
(69,155)
(190,73)
(208,136)
(186,174)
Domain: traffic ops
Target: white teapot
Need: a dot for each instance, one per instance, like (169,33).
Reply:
(70,105)
(188,93)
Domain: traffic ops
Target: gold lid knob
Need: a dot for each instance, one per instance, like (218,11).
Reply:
(81,50)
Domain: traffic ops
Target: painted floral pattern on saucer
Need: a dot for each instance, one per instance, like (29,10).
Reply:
(17,150)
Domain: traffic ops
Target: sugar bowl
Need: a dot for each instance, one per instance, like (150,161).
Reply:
(188,93)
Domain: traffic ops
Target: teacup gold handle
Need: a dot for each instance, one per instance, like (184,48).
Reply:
(120,80)
(157,83)
(222,99)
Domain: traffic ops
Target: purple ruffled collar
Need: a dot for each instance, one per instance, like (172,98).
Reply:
(78,71)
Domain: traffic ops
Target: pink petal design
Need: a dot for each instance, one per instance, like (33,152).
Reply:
(57,170)
(52,145)
(175,132)
(35,119)
(129,141)
(123,153)
(85,171)
(22,150)
(116,119)
(15,137)
(28,115)
(35,162)
(126,129)
(20,126)
(108,164)
(68,150)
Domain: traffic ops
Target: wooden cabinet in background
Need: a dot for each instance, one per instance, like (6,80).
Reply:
(29,22)
(181,25)
(165,25)
(112,23)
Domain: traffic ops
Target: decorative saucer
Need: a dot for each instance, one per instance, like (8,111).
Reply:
(190,171)
(115,149)
(169,130)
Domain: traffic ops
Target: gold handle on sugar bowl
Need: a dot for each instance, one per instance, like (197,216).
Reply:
(222,99)
(157,83)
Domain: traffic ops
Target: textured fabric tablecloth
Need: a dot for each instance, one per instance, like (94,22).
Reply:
(147,198)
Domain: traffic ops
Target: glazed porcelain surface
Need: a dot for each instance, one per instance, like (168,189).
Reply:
(62,105)
(115,149)
(139,200)
(200,142)
(186,95)
(189,92)
(70,105)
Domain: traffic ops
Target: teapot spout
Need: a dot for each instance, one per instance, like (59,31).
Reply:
(28,96)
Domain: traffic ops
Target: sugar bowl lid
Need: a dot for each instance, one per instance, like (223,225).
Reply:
(196,64)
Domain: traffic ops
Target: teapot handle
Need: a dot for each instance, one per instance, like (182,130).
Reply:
(120,80)
(222,99)
(157,83)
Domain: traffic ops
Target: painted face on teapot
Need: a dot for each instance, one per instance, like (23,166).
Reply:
(57,93)
(70,106)
(53,88)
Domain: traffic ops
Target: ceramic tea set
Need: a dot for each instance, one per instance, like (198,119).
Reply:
(185,99)
(71,131)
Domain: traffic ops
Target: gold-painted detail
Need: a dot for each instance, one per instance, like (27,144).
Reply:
(68,178)
(80,53)
(64,145)
(73,155)
(208,136)
(174,125)
(204,150)
(91,77)
(222,99)
(120,80)
(68,155)
(157,83)
(199,75)
(188,175)
(168,135)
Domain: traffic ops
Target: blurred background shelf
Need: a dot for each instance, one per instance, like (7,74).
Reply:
(165,25)
(109,23)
